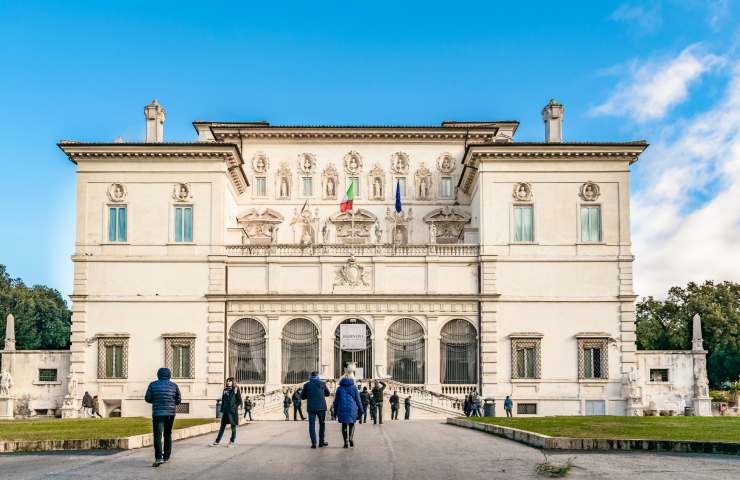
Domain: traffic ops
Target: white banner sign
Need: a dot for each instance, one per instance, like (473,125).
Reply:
(352,337)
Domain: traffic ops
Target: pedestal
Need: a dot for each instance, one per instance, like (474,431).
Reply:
(703,406)
(7,407)
(69,410)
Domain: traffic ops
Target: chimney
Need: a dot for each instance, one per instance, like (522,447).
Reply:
(154,114)
(552,114)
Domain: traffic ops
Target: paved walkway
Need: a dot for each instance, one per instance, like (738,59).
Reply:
(425,450)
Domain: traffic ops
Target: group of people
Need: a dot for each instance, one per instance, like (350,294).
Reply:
(472,404)
(90,406)
(349,407)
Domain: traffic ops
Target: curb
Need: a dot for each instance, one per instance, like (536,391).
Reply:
(546,442)
(123,443)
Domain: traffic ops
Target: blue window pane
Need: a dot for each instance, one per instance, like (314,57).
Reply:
(585,229)
(188,225)
(595,224)
(527,231)
(178,224)
(112,222)
(122,224)
(517,224)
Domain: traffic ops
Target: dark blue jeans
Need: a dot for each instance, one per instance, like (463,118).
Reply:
(321,416)
(225,420)
(162,426)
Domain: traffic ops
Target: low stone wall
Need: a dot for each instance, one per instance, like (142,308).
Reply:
(546,442)
(124,443)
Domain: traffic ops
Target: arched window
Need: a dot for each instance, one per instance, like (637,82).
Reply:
(300,351)
(459,353)
(406,352)
(363,358)
(247,351)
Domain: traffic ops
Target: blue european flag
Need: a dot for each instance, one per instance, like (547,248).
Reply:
(398,196)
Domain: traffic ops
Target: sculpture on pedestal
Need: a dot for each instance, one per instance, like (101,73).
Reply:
(6,383)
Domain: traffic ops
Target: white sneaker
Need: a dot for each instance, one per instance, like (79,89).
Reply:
(214,444)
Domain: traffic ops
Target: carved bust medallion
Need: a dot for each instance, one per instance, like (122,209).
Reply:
(307,163)
(181,192)
(117,192)
(400,163)
(522,192)
(353,163)
(446,163)
(260,163)
(589,191)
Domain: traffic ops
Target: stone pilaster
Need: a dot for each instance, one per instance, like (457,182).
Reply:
(488,325)
(326,361)
(433,340)
(273,380)
(216,357)
(379,347)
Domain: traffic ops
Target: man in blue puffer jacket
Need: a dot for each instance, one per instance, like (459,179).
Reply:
(164,396)
(315,392)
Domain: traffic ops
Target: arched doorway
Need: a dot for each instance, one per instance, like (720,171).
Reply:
(363,358)
(300,350)
(406,351)
(247,351)
(458,353)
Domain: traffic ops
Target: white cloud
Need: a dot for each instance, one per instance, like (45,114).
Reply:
(652,88)
(674,243)
(648,20)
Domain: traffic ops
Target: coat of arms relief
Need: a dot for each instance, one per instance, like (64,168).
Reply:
(352,274)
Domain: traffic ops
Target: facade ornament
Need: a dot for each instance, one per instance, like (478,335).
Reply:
(377,183)
(117,192)
(307,163)
(448,222)
(181,192)
(329,182)
(352,274)
(400,163)
(305,225)
(284,181)
(446,163)
(589,191)
(701,382)
(353,163)
(378,234)
(423,183)
(353,231)
(260,162)
(399,226)
(522,192)
(325,233)
(260,225)
(6,383)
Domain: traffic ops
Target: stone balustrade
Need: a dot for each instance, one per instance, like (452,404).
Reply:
(458,390)
(341,250)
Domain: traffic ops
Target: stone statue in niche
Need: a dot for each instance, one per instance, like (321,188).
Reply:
(377,183)
(259,162)
(589,191)
(329,179)
(423,179)
(377,188)
(325,233)
(117,192)
(399,225)
(283,176)
(522,192)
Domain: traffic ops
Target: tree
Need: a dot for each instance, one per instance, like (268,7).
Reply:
(42,319)
(666,325)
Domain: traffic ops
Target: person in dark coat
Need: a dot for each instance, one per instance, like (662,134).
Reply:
(373,410)
(231,400)
(96,407)
(315,393)
(467,407)
(286,406)
(407,408)
(248,408)
(347,406)
(378,393)
(508,404)
(164,396)
(87,404)
(365,398)
(297,405)
(394,405)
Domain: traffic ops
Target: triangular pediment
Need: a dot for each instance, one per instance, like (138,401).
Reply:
(265,215)
(360,216)
(447,214)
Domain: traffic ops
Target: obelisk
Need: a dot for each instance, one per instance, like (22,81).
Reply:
(10,333)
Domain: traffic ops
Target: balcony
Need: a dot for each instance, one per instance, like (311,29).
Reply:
(340,250)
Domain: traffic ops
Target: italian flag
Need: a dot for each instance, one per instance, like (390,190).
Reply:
(348,198)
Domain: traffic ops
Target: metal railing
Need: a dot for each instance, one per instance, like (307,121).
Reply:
(340,250)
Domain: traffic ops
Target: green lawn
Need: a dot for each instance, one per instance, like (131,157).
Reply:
(84,428)
(719,429)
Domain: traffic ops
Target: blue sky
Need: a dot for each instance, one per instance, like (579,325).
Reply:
(666,72)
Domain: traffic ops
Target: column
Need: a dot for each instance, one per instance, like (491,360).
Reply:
(379,347)
(432,347)
(273,379)
(326,360)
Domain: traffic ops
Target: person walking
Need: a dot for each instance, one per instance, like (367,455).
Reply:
(475,399)
(372,407)
(96,407)
(231,400)
(164,396)
(315,393)
(248,408)
(365,398)
(407,408)
(467,406)
(286,406)
(87,404)
(394,405)
(347,406)
(378,393)
(297,405)
(508,404)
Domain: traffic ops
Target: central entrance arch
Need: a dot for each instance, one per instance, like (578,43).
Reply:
(300,355)
(363,358)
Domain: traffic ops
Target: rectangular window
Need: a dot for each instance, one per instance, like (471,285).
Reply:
(307,186)
(401,182)
(658,374)
(591,223)
(445,187)
(114,361)
(592,358)
(523,223)
(183,224)
(47,374)
(181,361)
(182,408)
(526,409)
(260,187)
(592,362)
(117,224)
(356,181)
(595,407)
(525,357)
(526,361)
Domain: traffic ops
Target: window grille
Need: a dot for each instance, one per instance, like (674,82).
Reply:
(300,353)
(592,358)
(526,409)
(47,374)
(406,351)
(459,353)
(112,357)
(658,374)
(247,351)
(179,355)
(526,361)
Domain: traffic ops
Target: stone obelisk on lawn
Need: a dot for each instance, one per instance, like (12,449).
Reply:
(7,399)
(702,400)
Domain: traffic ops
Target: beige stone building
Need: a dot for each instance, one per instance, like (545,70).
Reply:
(507,269)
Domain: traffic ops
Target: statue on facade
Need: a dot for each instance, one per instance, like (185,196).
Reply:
(378,233)
(6,383)
(71,385)
(325,233)
(331,188)
(284,191)
(377,188)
